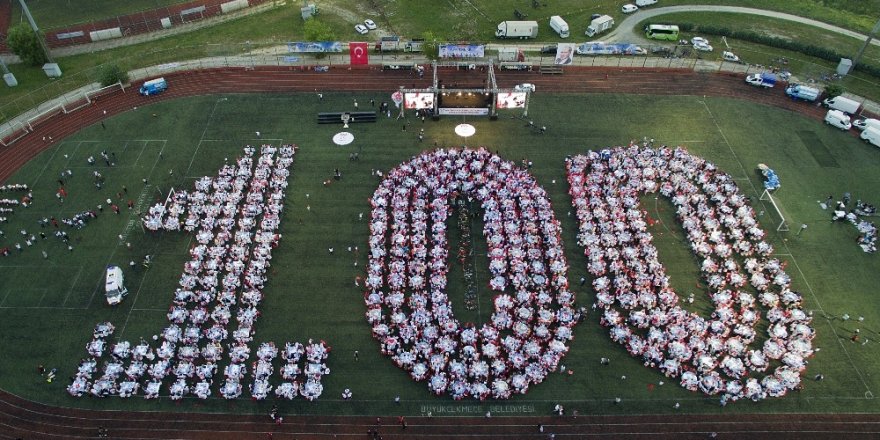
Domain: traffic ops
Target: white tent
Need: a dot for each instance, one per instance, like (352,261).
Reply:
(115,285)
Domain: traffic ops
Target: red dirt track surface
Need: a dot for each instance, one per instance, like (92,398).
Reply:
(20,418)
(23,419)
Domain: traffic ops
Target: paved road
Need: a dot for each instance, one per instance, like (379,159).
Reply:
(625,32)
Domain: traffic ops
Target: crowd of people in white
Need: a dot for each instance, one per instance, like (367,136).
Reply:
(235,217)
(7,205)
(408,308)
(713,354)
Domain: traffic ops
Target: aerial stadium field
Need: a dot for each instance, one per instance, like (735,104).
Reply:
(49,306)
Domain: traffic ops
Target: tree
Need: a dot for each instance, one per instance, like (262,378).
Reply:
(430,46)
(26,44)
(832,90)
(112,74)
(317,30)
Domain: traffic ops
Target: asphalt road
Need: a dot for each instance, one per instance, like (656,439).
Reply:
(625,31)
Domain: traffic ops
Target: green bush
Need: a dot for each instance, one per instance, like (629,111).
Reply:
(832,90)
(112,74)
(26,44)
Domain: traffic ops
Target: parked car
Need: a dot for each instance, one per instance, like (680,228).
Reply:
(730,56)
(701,44)
(703,47)
(662,50)
(361,29)
(641,3)
(550,48)
(524,87)
(370,24)
(629,8)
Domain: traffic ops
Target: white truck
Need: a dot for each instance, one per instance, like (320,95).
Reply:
(559,25)
(797,91)
(114,286)
(872,136)
(843,104)
(599,24)
(517,29)
(765,79)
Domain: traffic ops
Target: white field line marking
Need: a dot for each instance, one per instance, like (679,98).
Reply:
(793,259)
(110,258)
(202,137)
(133,217)
(72,285)
(46,165)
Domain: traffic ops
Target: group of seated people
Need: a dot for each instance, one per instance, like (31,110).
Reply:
(7,204)
(237,214)
(14,187)
(79,219)
(867,230)
(313,368)
(710,354)
(409,254)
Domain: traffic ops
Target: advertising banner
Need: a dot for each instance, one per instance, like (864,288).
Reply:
(315,46)
(462,50)
(358,53)
(564,54)
(454,111)
(600,48)
(418,101)
(511,100)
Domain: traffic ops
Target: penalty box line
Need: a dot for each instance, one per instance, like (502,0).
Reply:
(255,144)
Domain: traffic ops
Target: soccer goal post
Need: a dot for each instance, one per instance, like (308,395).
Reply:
(783,223)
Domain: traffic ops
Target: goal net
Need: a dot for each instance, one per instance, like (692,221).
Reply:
(783,223)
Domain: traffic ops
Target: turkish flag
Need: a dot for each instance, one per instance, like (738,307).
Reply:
(358,53)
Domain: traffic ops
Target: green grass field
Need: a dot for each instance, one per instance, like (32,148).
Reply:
(50,14)
(48,308)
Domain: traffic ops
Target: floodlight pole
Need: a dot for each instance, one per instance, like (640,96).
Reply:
(492,85)
(865,45)
(27,13)
(402,104)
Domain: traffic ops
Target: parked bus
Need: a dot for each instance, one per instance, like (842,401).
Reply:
(662,32)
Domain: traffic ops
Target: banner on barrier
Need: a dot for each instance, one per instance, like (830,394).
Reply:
(454,111)
(315,46)
(462,50)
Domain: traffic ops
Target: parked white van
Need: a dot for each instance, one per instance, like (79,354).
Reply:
(871,135)
(862,124)
(642,3)
(839,119)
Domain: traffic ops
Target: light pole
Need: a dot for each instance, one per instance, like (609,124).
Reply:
(867,42)
(27,13)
